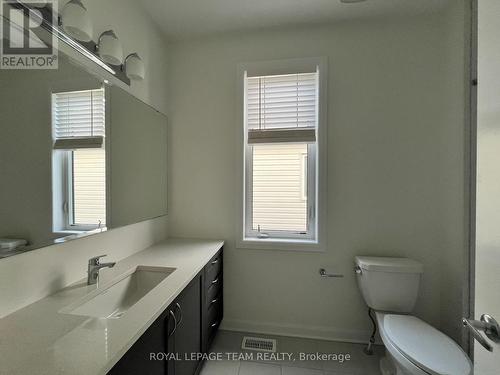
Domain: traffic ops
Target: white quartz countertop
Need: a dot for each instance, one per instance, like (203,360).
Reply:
(39,339)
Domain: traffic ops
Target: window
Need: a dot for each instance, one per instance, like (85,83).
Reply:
(79,160)
(281,114)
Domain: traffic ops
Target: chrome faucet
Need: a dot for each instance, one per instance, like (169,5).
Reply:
(93,269)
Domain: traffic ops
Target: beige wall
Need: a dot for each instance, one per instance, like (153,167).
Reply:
(28,277)
(395,168)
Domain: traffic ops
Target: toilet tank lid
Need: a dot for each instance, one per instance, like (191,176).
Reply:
(389,264)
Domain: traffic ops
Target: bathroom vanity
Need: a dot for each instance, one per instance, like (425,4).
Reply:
(183,331)
(67,333)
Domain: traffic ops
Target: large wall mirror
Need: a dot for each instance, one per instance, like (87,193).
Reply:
(78,155)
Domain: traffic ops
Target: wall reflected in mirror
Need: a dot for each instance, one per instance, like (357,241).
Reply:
(77,156)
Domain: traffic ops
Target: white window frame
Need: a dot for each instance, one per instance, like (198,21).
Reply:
(315,238)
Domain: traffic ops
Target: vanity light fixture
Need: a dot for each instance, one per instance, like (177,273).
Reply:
(76,22)
(134,67)
(110,48)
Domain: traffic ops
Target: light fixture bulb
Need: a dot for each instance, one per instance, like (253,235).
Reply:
(109,48)
(134,67)
(76,21)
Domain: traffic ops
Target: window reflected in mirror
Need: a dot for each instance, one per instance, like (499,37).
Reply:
(79,160)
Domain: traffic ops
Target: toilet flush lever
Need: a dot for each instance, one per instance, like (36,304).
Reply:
(486,324)
(322,273)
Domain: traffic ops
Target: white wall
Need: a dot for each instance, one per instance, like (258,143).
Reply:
(28,277)
(395,164)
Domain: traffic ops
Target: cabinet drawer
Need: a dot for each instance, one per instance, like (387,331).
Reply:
(213,269)
(214,289)
(214,303)
(214,314)
(214,311)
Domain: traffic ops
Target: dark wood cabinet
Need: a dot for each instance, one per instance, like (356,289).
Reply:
(212,299)
(187,336)
(185,328)
(137,359)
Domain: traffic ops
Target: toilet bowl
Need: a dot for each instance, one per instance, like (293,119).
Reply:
(413,347)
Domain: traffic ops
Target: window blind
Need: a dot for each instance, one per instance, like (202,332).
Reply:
(282,108)
(78,119)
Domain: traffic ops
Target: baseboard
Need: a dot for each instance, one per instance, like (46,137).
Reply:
(311,332)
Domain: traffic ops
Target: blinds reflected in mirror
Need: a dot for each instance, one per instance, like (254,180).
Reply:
(78,119)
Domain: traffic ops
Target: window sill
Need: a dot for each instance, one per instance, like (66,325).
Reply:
(280,244)
(74,234)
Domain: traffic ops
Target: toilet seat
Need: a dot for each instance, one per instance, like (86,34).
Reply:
(426,347)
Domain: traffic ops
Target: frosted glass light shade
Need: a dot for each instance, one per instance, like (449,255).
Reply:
(76,21)
(134,67)
(110,48)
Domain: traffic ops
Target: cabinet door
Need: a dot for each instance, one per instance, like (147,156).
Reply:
(188,332)
(170,324)
(137,359)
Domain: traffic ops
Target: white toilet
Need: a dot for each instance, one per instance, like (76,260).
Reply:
(390,288)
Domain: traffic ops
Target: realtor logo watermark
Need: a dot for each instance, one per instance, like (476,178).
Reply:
(24,42)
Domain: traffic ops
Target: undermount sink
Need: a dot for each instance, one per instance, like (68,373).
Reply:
(114,299)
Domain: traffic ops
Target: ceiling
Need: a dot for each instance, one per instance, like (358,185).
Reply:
(183,19)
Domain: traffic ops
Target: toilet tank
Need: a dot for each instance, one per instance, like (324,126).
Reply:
(389,284)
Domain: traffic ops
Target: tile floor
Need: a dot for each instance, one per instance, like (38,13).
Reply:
(233,360)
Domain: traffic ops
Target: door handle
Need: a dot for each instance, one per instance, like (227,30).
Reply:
(477,335)
(175,324)
(178,306)
(486,324)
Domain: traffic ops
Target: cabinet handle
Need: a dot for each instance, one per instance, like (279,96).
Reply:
(178,306)
(215,281)
(175,323)
(215,261)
